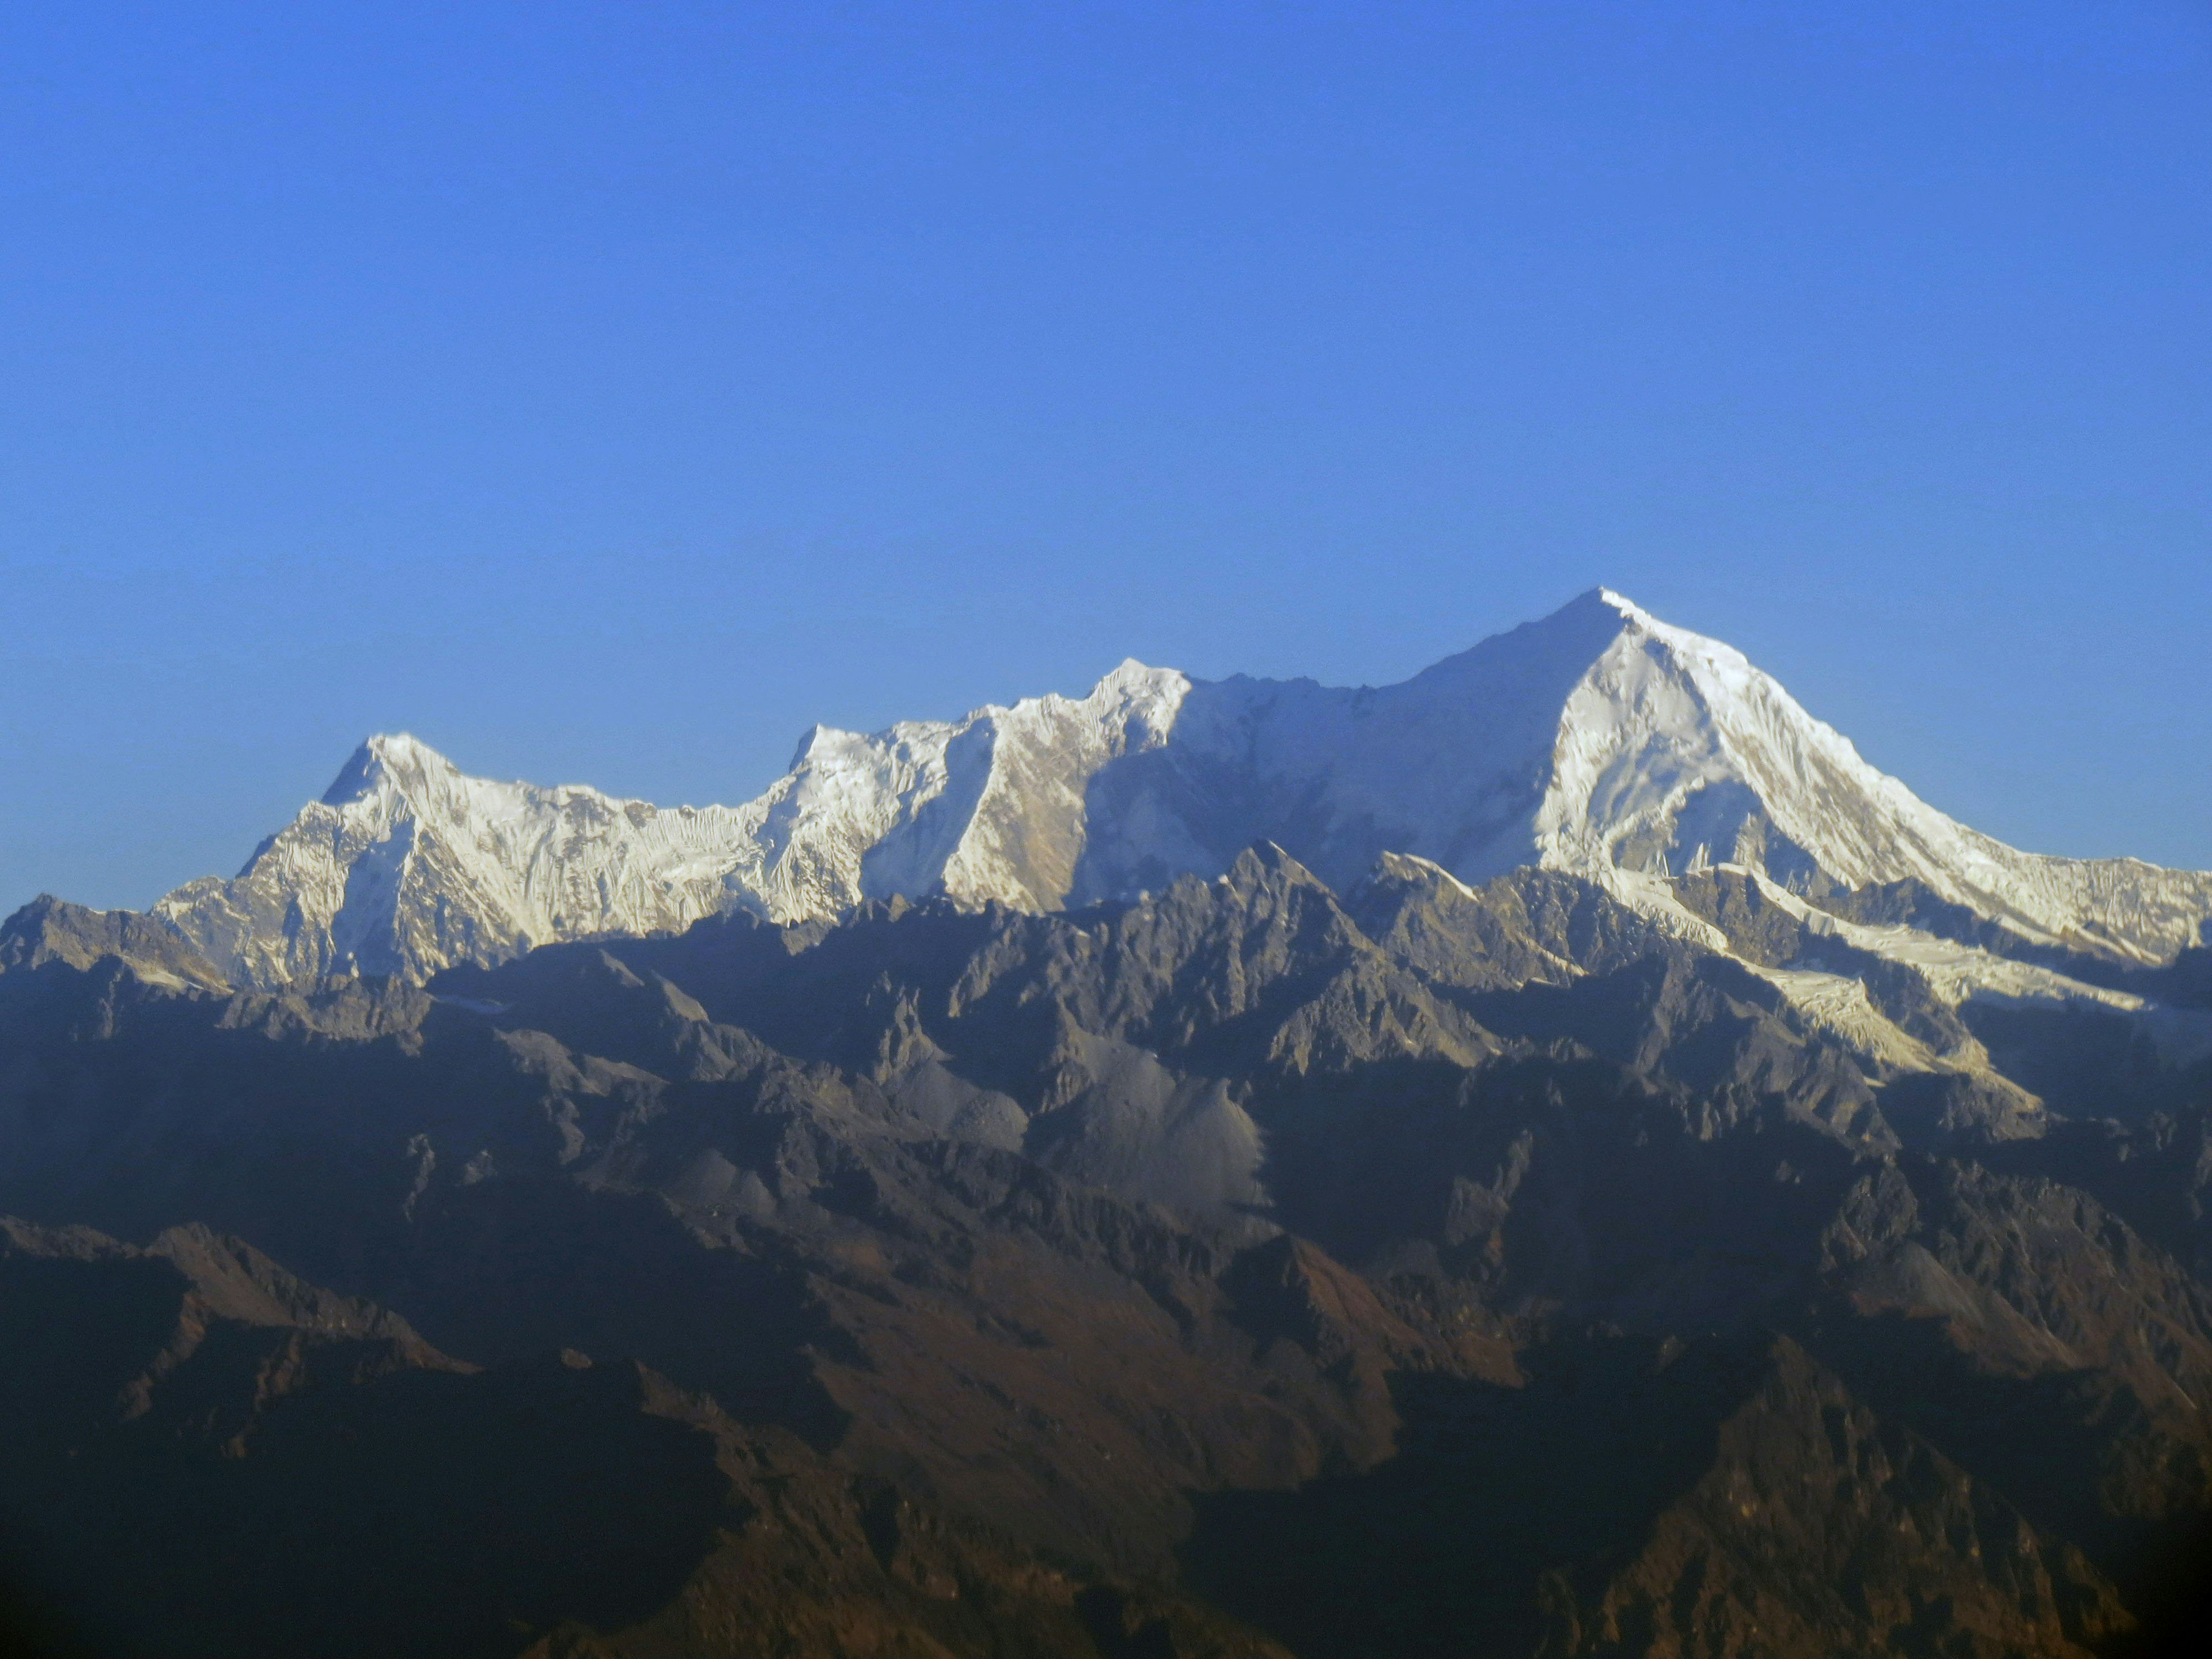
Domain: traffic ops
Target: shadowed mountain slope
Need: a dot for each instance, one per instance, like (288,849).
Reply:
(1243,1269)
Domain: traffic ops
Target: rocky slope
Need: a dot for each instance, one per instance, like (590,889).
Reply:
(1599,741)
(1250,1269)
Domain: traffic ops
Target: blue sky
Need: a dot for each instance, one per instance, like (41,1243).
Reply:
(606,393)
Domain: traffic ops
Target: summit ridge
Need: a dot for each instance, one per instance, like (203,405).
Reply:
(1598,741)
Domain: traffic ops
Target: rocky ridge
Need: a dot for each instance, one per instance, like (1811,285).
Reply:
(1251,1269)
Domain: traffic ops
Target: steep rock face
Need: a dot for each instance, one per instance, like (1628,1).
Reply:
(1599,742)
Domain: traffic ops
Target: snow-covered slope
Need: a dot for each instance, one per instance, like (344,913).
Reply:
(1598,740)
(407,865)
(1675,747)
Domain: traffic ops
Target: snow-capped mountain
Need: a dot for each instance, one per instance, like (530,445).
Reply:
(407,865)
(1599,741)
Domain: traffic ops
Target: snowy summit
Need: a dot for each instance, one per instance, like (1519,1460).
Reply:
(1599,741)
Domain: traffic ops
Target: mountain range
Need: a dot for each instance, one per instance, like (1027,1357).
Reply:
(1599,741)
(1558,1157)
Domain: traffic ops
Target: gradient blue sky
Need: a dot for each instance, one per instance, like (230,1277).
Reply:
(607,392)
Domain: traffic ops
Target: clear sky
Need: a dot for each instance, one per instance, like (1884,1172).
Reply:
(607,392)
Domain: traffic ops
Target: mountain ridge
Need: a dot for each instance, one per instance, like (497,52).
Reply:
(1597,740)
(1487,1260)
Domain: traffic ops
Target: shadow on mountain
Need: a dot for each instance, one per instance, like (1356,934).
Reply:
(2174,1601)
(1552,1175)
(508,1269)
(2156,1176)
(2085,1063)
(430,1513)
(31,1626)
(1498,1500)
(2058,1444)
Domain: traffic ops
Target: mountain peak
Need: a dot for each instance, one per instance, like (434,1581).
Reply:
(1131,675)
(1598,741)
(408,757)
(402,749)
(396,756)
(357,777)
